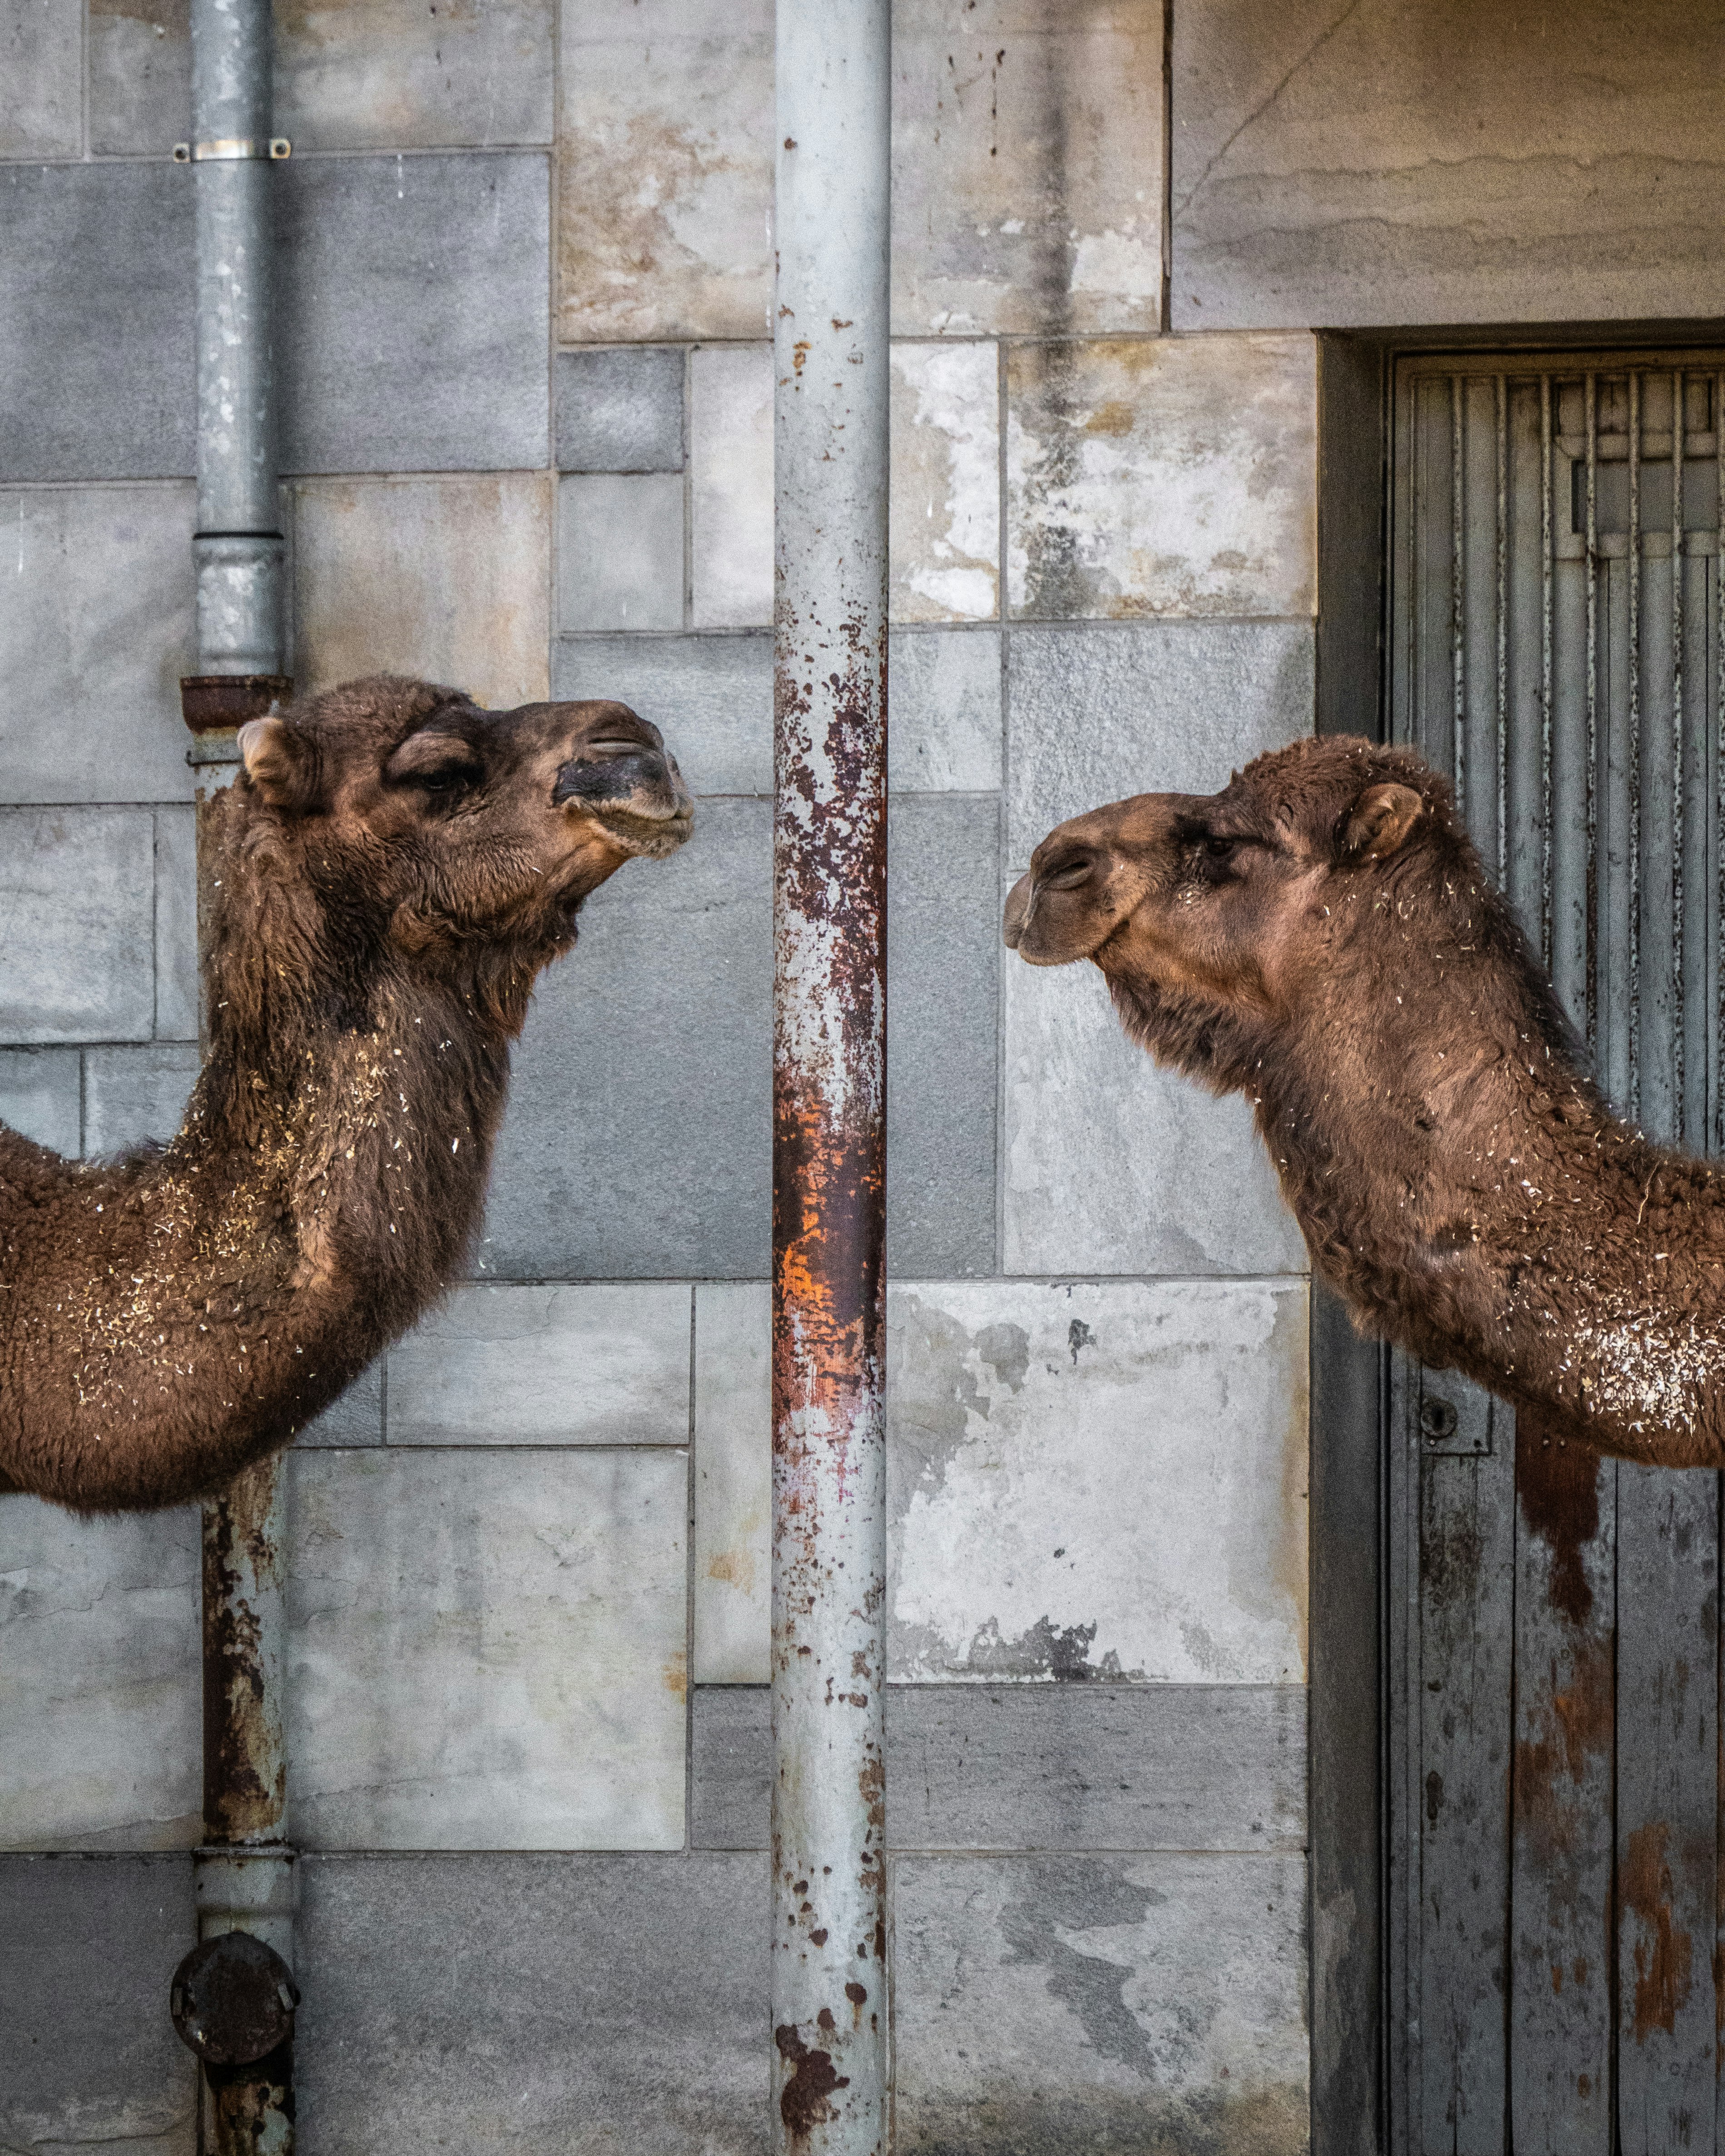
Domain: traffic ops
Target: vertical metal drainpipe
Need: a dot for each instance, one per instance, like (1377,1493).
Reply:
(233,1998)
(830,321)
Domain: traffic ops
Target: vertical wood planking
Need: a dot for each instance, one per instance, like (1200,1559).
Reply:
(1561,2007)
(1667,1765)
(1466,1625)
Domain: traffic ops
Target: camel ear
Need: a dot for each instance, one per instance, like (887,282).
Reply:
(1380,821)
(282,762)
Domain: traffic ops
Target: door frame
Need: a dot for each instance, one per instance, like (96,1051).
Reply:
(1352,2024)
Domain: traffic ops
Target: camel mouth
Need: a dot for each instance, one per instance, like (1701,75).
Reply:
(646,827)
(1039,941)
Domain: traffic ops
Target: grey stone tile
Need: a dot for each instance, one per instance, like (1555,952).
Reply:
(666,150)
(101,1688)
(41,63)
(1095,714)
(1039,1768)
(395,74)
(943,950)
(711,696)
(446,578)
(498,1365)
(733,1484)
(140,75)
(40,1095)
(88,2055)
(620,551)
(1097,1479)
(1175,476)
(730,486)
(1027,166)
(638,1139)
(135,1096)
(1319,177)
(175,924)
(97,630)
(1112,1165)
(98,367)
(379,377)
(357,1417)
(623,2009)
(76,955)
(1068,2003)
(945,539)
(620,409)
(487,1648)
(943,721)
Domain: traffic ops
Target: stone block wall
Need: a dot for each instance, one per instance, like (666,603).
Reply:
(527,393)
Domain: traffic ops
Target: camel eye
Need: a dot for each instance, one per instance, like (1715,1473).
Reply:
(1218,849)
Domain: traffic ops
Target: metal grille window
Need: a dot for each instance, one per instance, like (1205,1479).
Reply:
(1554,1711)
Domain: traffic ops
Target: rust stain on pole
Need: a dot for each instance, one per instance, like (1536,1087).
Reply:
(829,1041)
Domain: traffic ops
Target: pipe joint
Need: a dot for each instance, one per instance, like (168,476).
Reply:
(240,576)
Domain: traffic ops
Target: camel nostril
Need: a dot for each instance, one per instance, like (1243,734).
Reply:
(608,778)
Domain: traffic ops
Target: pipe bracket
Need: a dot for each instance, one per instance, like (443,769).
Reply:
(228,149)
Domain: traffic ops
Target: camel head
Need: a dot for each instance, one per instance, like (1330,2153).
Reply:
(1206,913)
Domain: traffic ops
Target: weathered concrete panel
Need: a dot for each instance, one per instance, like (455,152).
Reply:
(666,153)
(1070,2004)
(140,75)
(98,367)
(96,632)
(1121,1495)
(76,957)
(637,1138)
(446,578)
(486,1650)
(545,1366)
(88,2055)
(711,696)
(944,726)
(418,291)
(40,1092)
(357,1417)
(99,1685)
(946,507)
(389,74)
(945,542)
(1027,166)
(41,62)
(1027,169)
(942,1077)
(620,409)
(730,486)
(620,552)
(175,924)
(133,1095)
(400,75)
(733,1484)
(1042,1767)
(622,2012)
(1430,161)
(1098,1479)
(1112,1166)
(1177,476)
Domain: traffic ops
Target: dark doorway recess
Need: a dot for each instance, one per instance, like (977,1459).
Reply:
(1517,1881)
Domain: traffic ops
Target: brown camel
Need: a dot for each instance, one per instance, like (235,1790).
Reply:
(389,873)
(1321,937)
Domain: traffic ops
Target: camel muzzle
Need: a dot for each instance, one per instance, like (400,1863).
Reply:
(640,800)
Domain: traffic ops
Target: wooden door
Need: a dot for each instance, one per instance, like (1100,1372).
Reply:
(1555,1718)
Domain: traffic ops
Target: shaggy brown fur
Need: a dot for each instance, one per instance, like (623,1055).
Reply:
(390,872)
(1321,937)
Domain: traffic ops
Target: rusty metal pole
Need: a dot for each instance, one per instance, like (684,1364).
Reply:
(233,1996)
(832,136)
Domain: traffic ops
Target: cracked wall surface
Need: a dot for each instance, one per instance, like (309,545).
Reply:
(527,447)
